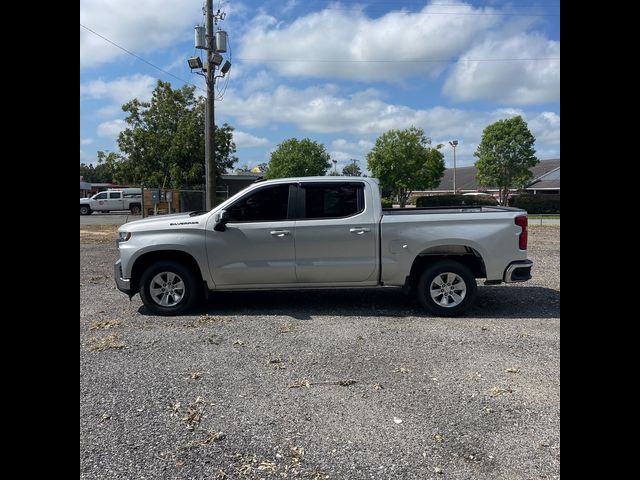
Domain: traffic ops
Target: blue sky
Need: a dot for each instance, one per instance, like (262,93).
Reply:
(340,73)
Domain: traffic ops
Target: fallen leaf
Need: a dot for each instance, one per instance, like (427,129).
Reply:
(105,324)
(438,470)
(297,452)
(500,391)
(401,370)
(512,370)
(397,420)
(346,383)
(437,437)
(99,344)
(377,386)
(302,382)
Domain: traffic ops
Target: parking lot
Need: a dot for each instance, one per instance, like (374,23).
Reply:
(340,384)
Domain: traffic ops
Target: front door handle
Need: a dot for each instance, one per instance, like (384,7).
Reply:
(359,230)
(279,233)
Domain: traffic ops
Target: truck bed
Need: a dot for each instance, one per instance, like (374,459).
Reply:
(456,209)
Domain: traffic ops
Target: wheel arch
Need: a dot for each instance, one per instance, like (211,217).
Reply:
(465,254)
(145,260)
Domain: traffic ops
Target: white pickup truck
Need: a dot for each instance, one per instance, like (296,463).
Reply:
(321,232)
(112,200)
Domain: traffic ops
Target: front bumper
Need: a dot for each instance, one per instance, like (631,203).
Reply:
(518,271)
(123,284)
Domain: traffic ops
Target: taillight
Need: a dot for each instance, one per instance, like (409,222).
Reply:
(522,222)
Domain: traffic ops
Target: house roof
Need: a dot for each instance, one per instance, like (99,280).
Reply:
(466,177)
(549,180)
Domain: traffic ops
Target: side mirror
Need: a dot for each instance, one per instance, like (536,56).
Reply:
(221,220)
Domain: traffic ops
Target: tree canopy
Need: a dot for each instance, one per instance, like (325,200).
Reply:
(98,174)
(163,144)
(352,169)
(298,158)
(505,155)
(404,161)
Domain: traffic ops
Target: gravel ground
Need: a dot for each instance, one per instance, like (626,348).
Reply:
(325,384)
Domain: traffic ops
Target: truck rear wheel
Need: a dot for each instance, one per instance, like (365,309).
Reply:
(169,288)
(135,209)
(85,210)
(447,288)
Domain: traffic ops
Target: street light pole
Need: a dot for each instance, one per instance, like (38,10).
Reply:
(335,166)
(454,144)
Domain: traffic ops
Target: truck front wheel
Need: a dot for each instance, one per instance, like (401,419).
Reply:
(168,288)
(447,288)
(85,210)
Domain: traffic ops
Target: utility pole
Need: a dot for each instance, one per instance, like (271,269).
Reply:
(210,143)
(213,43)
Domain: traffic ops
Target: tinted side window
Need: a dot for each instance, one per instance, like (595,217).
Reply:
(114,195)
(101,196)
(333,200)
(268,204)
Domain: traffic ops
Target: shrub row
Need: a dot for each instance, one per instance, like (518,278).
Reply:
(455,200)
(536,203)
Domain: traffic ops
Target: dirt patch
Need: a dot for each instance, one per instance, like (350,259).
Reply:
(98,233)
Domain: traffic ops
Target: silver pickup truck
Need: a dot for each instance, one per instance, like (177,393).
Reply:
(321,232)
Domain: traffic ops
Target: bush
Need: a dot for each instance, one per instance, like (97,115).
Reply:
(536,203)
(387,203)
(455,200)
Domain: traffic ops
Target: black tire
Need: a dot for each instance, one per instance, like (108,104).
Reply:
(454,288)
(135,209)
(158,276)
(85,210)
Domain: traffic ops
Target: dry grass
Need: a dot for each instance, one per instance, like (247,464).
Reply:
(99,344)
(105,324)
(98,233)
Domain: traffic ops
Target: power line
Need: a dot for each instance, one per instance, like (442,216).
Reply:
(452,4)
(328,60)
(142,59)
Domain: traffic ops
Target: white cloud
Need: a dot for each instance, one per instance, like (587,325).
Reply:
(260,81)
(367,115)
(86,141)
(546,128)
(120,90)
(344,151)
(246,140)
(364,44)
(508,82)
(112,128)
(109,111)
(141,26)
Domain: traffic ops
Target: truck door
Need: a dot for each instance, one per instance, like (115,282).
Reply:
(100,201)
(115,201)
(336,234)
(257,246)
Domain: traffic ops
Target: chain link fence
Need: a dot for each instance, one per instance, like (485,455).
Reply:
(165,201)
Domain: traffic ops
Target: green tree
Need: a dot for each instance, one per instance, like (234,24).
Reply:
(352,169)
(163,144)
(298,158)
(98,174)
(403,161)
(505,155)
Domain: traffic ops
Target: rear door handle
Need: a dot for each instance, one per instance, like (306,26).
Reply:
(359,230)
(279,233)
